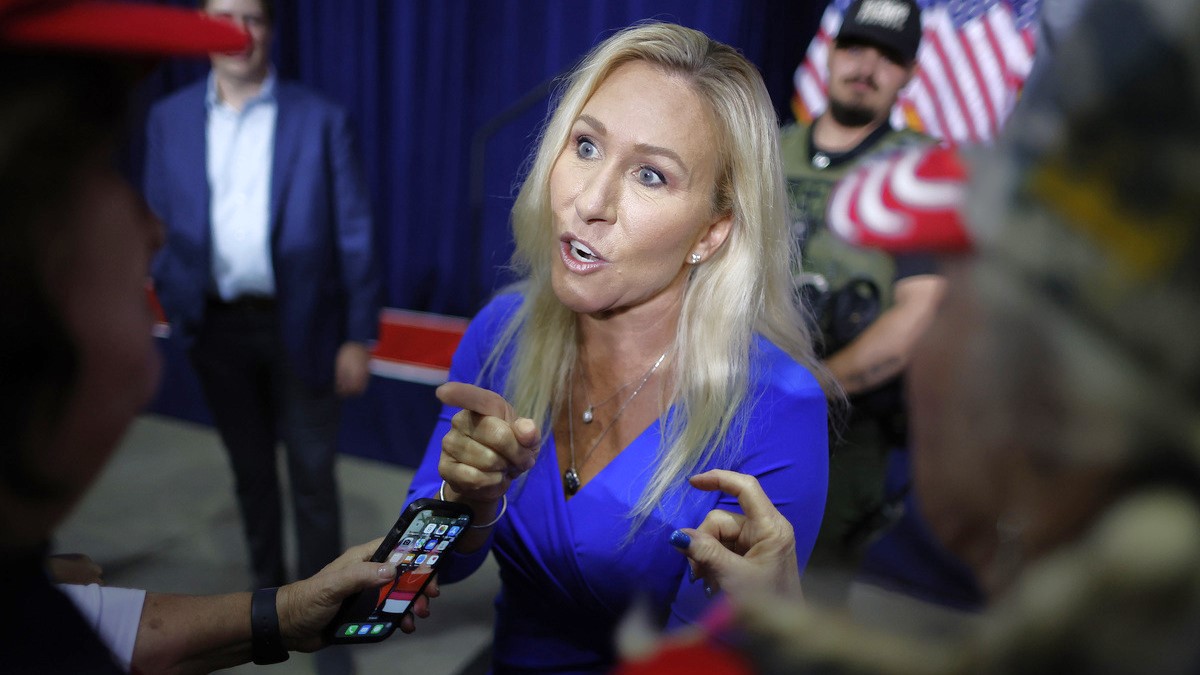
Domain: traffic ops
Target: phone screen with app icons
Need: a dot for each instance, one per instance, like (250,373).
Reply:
(424,535)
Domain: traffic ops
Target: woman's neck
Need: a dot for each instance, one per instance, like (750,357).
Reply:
(616,348)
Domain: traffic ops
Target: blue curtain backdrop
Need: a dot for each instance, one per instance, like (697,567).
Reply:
(448,96)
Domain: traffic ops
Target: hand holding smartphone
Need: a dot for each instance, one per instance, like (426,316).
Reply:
(421,539)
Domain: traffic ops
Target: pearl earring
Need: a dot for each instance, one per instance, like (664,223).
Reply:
(695,258)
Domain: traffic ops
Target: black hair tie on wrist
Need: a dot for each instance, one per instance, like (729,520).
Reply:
(266,645)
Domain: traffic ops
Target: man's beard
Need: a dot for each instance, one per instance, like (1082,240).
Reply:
(852,116)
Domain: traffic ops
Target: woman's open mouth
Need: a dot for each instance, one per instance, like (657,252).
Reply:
(581,252)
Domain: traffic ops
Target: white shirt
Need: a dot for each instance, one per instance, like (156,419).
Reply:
(113,613)
(240,148)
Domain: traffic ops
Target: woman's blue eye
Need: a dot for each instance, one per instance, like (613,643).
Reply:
(648,176)
(585,148)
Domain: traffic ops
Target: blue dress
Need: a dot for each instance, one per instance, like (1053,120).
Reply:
(569,572)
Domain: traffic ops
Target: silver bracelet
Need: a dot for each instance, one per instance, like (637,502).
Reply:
(503,508)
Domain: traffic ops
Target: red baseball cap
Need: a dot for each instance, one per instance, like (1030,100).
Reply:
(905,201)
(107,26)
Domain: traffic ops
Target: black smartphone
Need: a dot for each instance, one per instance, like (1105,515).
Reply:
(418,543)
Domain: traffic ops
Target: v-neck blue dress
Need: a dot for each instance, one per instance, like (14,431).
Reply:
(568,570)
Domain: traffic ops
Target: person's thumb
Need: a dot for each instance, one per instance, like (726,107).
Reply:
(364,575)
(329,587)
(527,433)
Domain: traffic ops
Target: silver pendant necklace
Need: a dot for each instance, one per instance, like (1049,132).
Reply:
(589,412)
(571,482)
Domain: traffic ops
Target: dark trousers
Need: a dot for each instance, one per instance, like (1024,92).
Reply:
(857,467)
(257,401)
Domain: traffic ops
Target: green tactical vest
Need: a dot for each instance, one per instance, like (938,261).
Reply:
(826,260)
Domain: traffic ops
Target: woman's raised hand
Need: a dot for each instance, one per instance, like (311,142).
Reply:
(741,552)
(487,446)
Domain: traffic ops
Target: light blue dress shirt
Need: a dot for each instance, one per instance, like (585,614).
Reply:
(240,147)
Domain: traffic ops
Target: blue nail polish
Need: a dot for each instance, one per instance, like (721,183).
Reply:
(680,539)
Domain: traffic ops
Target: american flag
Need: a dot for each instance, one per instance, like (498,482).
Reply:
(973,60)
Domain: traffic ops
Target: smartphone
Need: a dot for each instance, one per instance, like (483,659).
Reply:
(420,540)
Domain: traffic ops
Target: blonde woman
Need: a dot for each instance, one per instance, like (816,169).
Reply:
(653,337)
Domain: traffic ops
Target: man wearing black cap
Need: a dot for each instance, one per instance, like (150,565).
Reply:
(870,306)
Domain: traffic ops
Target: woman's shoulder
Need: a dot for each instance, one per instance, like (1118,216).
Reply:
(497,312)
(774,370)
(504,303)
(484,333)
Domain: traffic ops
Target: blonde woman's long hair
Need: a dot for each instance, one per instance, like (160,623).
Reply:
(745,288)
